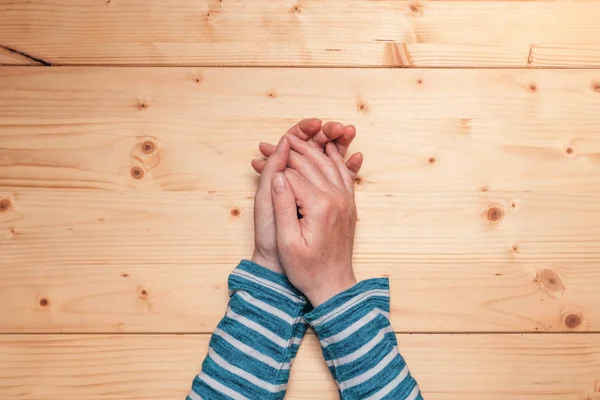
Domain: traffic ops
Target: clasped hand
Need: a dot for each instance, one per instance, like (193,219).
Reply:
(306,174)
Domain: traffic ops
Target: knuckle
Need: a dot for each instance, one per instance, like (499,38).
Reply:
(290,173)
(326,204)
(328,162)
(286,208)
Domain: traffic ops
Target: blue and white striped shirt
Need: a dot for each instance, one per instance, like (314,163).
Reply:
(254,345)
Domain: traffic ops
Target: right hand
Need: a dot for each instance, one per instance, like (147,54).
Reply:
(310,131)
(315,251)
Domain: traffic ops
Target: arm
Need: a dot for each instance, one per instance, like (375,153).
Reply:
(253,347)
(359,344)
(351,320)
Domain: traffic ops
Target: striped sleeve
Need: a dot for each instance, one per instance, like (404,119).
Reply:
(253,347)
(359,344)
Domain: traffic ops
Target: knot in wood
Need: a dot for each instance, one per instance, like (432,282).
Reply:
(142,104)
(533,88)
(572,321)
(494,214)
(5,205)
(137,173)
(415,8)
(148,147)
(550,280)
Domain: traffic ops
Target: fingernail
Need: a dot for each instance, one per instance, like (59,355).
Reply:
(293,138)
(278,183)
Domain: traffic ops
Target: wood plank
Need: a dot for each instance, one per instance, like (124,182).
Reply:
(386,33)
(111,262)
(511,192)
(435,130)
(526,367)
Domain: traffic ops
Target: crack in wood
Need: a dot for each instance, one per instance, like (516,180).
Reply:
(28,56)
(530,56)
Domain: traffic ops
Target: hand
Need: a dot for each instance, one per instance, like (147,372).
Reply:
(341,135)
(265,252)
(316,251)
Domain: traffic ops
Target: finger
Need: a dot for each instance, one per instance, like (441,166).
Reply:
(338,160)
(331,131)
(354,164)
(343,142)
(343,136)
(258,165)
(284,207)
(276,163)
(266,149)
(309,170)
(302,187)
(299,163)
(306,128)
(305,192)
(324,163)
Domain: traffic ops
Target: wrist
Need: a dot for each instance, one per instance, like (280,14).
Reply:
(267,262)
(320,295)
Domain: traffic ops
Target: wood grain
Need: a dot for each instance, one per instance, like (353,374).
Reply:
(385,33)
(447,367)
(116,262)
(127,192)
(434,130)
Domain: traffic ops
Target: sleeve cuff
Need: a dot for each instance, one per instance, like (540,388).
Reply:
(249,275)
(365,291)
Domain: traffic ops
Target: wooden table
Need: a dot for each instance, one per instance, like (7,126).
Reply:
(126,131)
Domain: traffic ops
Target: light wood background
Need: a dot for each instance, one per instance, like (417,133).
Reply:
(126,132)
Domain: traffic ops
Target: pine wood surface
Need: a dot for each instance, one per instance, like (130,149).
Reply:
(383,33)
(128,192)
(161,367)
(126,132)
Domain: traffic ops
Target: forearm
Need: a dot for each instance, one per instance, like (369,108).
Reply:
(359,344)
(252,348)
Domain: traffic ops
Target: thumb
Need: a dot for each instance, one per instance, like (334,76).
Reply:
(278,160)
(284,206)
(276,163)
